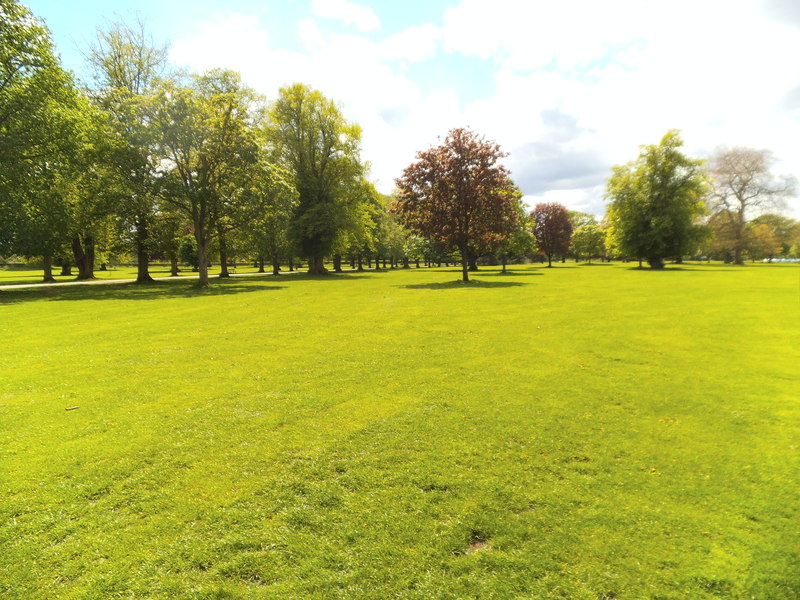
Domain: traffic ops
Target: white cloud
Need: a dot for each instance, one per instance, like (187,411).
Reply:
(578,86)
(349,13)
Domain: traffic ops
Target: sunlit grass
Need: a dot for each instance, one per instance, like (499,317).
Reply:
(576,432)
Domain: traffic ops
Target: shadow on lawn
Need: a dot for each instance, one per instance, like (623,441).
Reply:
(462,285)
(132,291)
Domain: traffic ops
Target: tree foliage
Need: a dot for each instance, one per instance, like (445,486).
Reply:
(552,228)
(39,114)
(311,138)
(458,195)
(204,145)
(742,186)
(588,241)
(654,202)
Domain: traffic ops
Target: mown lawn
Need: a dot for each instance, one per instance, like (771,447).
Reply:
(588,432)
(21,274)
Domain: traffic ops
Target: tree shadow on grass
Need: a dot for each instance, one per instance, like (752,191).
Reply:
(510,273)
(158,290)
(462,285)
(677,269)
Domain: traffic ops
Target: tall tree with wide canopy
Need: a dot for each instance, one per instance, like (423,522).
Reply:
(204,142)
(552,229)
(459,195)
(309,136)
(37,112)
(127,64)
(654,202)
(742,187)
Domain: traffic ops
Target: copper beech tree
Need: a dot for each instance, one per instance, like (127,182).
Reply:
(459,196)
(552,229)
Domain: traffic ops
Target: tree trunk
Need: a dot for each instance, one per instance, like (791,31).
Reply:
(352,262)
(142,256)
(202,257)
(276,264)
(418,263)
(377,263)
(384,262)
(679,260)
(316,265)
(223,254)
(550,260)
(405,263)
(640,263)
(291,263)
(473,261)
(464,265)
(360,263)
(503,261)
(66,268)
(173,265)
(47,267)
(337,263)
(369,262)
(83,251)
(655,262)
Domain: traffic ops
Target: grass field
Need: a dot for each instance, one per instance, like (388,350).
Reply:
(20,274)
(588,432)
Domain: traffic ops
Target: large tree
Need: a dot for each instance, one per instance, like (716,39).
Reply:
(205,144)
(742,188)
(311,138)
(654,202)
(127,63)
(37,113)
(552,229)
(459,195)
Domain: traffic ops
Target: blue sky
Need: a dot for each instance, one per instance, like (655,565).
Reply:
(567,88)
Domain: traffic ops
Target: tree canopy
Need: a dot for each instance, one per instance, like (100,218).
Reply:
(457,194)
(654,201)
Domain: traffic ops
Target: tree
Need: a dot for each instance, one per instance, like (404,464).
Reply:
(311,138)
(127,64)
(786,230)
(654,202)
(552,229)
(458,195)
(762,242)
(37,112)
(273,200)
(588,241)
(742,187)
(204,143)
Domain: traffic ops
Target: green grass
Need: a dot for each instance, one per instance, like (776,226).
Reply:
(581,432)
(23,274)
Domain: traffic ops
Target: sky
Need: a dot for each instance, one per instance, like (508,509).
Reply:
(568,88)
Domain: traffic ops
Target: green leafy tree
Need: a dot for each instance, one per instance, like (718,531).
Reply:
(127,64)
(272,201)
(205,143)
(311,138)
(37,115)
(588,241)
(458,195)
(654,202)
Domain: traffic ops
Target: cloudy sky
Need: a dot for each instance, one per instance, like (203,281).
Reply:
(567,88)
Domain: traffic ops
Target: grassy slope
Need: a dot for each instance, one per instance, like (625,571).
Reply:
(578,432)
